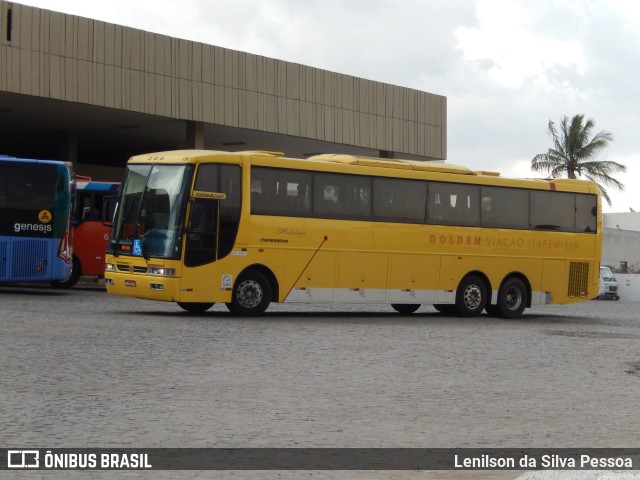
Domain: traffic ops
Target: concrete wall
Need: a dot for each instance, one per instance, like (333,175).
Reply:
(621,246)
(622,221)
(628,287)
(65,57)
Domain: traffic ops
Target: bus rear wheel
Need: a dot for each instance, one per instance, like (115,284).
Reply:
(512,298)
(195,307)
(471,296)
(251,295)
(405,308)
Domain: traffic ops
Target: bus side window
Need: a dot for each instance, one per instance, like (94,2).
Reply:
(586,211)
(109,203)
(552,210)
(460,203)
(504,207)
(4,178)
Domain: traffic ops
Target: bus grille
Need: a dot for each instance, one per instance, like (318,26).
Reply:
(30,259)
(578,279)
(128,268)
(3,260)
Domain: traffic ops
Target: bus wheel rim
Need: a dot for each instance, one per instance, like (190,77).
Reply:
(472,297)
(249,294)
(513,298)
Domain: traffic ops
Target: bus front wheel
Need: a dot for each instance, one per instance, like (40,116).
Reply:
(405,308)
(251,295)
(195,307)
(471,296)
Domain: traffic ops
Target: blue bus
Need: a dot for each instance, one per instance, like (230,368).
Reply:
(36,198)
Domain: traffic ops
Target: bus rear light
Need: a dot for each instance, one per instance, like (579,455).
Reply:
(64,249)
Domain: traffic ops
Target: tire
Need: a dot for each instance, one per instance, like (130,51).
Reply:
(512,298)
(195,307)
(471,296)
(405,308)
(76,271)
(445,308)
(251,295)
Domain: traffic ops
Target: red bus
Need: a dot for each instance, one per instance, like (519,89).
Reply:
(95,203)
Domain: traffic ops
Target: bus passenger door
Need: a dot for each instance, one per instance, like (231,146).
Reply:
(202,232)
(214,214)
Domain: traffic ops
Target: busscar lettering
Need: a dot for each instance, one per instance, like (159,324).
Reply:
(288,231)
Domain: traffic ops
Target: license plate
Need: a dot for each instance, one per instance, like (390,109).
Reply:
(129,283)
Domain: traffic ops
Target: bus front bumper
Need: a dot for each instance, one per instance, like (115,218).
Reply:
(143,286)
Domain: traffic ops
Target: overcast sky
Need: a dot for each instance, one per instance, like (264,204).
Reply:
(507,67)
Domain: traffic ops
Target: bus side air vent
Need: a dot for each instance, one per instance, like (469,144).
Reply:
(578,279)
(3,260)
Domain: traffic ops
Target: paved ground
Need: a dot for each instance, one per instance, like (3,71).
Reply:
(83,369)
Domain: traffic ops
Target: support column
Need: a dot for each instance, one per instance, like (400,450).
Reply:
(195,135)
(70,148)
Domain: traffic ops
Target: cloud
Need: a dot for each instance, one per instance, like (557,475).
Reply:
(507,67)
(511,52)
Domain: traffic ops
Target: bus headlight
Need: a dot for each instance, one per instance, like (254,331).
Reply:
(161,271)
(109,267)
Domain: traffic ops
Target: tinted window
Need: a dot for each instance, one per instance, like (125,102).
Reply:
(397,200)
(280,192)
(207,178)
(453,204)
(504,207)
(222,179)
(586,211)
(4,179)
(342,196)
(552,210)
(31,186)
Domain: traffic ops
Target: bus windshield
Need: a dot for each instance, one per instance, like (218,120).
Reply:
(150,212)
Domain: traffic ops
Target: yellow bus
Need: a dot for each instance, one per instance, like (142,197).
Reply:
(250,228)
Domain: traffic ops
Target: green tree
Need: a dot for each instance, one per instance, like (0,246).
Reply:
(574,151)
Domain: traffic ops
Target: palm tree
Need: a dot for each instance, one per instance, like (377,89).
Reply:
(574,154)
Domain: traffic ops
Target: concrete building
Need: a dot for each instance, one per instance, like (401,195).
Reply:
(96,93)
(621,242)
(621,252)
